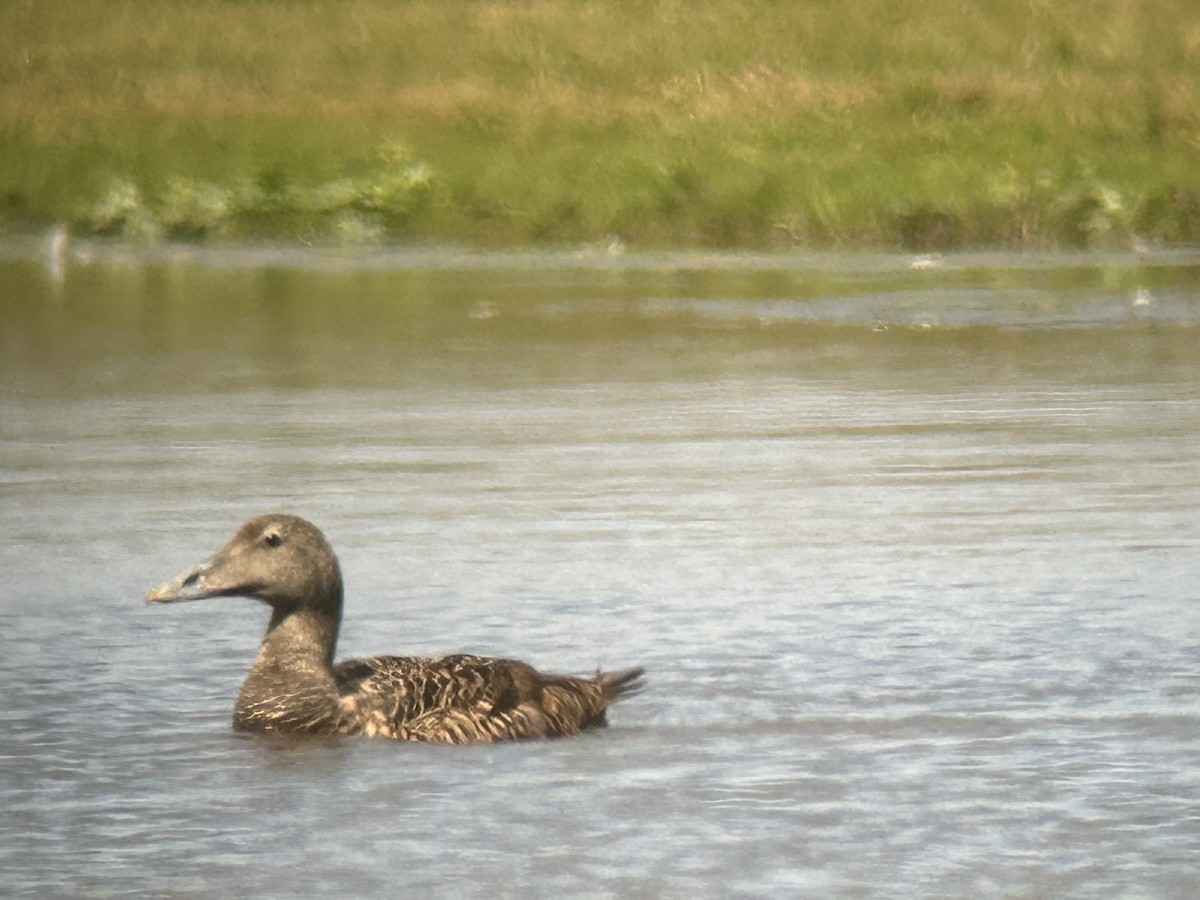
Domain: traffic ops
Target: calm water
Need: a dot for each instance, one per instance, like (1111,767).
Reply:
(911,555)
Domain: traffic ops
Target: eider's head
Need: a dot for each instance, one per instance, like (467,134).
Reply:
(282,560)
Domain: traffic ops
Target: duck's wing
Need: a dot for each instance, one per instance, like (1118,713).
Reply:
(465,699)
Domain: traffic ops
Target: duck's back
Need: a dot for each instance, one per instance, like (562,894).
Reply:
(465,699)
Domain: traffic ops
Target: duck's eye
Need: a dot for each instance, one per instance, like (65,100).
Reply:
(272,539)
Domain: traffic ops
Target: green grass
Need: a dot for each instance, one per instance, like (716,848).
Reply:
(860,123)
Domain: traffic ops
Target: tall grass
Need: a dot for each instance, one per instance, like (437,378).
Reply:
(737,122)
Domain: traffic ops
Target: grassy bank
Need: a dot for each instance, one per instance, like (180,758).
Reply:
(866,123)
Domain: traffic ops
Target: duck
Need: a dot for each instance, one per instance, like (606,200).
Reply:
(294,686)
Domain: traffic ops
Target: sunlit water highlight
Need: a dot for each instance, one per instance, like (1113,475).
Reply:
(910,554)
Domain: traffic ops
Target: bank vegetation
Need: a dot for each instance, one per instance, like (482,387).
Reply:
(919,123)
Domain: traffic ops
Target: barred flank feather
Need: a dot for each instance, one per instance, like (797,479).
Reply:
(465,699)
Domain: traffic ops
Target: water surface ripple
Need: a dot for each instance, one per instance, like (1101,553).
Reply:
(910,555)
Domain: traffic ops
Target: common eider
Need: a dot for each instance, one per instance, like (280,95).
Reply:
(295,687)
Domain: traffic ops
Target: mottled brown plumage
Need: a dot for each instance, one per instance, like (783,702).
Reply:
(294,686)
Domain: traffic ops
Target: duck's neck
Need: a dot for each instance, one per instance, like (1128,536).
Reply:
(299,640)
(290,687)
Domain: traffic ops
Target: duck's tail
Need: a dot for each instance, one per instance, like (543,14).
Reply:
(618,685)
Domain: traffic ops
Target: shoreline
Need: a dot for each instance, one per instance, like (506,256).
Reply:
(56,248)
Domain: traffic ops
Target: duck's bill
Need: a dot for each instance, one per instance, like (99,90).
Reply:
(191,585)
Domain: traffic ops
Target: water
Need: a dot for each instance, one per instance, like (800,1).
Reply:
(910,555)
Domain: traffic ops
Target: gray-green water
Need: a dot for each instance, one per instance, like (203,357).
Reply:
(910,554)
